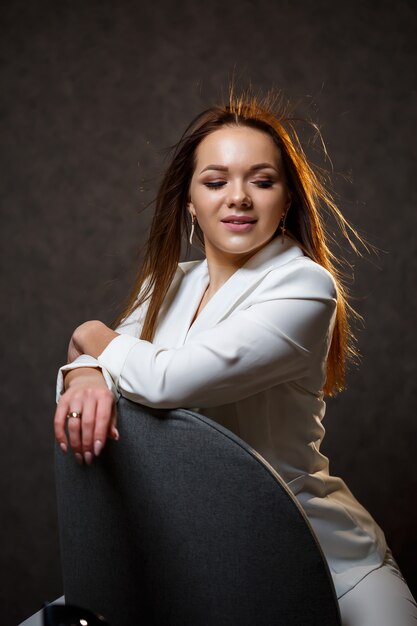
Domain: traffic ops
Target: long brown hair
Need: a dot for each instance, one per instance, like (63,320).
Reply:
(311,199)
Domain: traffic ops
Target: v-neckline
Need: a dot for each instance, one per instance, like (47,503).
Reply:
(183,318)
(199,309)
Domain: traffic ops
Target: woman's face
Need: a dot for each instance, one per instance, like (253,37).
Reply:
(238,192)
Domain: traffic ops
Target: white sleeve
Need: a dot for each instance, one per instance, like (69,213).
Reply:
(84,360)
(266,344)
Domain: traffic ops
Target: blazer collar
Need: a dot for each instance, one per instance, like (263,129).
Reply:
(192,279)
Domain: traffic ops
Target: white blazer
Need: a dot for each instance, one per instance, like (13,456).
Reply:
(254,360)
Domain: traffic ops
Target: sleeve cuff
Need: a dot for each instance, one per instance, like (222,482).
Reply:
(113,357)
(84,361)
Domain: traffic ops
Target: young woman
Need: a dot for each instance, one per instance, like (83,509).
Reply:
(253,336)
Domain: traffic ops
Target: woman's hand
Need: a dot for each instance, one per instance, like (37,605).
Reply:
(74,350)
(87,395)
(90,338)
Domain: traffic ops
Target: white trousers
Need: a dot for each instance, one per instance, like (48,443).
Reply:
(382,598)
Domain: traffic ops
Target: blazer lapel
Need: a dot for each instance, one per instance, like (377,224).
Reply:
(191,280)
(183,297)
(242,282)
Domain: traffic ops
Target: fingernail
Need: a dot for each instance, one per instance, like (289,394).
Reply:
(63,447)
(79,458)
(98,446)
(116,434)
(88,457)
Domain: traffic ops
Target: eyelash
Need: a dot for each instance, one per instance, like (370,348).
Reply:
(219,184)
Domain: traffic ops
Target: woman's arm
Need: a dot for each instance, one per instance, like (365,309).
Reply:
(86,391)
(278,338)
(72,377)
(84,385)
(90,338)
(79,355)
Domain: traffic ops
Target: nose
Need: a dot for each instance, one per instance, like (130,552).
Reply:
(238,196)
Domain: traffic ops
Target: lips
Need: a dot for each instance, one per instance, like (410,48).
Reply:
(239,223)
(236,219)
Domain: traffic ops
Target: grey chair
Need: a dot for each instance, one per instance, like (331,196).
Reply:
(181,523)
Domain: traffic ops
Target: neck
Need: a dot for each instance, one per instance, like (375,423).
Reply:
(221,266)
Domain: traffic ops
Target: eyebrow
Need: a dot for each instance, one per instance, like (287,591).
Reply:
(223,168)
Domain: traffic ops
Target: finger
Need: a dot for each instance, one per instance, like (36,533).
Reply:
(74,427)
(87,425)
(104,415)
(59,422)
(113,433)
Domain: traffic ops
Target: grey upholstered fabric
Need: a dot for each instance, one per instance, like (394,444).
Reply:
(180,523)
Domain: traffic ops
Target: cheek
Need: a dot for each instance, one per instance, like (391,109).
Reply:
(206,203)
(272,213)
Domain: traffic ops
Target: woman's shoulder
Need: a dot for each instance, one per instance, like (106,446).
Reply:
(280,270)
(305,268)
(302,277)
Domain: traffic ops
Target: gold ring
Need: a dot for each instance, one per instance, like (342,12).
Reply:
(74,414)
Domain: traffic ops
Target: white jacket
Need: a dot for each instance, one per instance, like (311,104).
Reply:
(254,360)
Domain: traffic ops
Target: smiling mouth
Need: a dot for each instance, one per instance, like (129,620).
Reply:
(242,221)
(239,222)
(239,226)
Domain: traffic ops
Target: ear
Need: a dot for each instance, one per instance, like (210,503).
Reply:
(190,208)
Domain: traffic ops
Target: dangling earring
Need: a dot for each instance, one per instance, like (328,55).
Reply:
(192,229)
(282,226)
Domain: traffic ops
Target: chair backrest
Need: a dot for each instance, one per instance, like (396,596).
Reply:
(181,523)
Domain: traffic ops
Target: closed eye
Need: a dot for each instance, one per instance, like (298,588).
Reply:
(264,184)
(215,184)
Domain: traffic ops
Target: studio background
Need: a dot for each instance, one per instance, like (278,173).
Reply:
(92,94)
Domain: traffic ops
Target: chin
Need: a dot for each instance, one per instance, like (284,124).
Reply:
(244,248)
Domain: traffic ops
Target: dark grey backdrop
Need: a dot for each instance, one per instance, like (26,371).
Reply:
(92,92)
